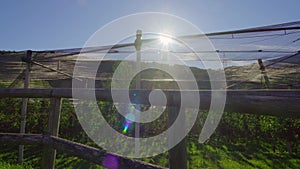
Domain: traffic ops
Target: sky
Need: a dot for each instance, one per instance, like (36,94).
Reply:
(62,24)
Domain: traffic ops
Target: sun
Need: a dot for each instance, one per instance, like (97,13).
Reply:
(165,40)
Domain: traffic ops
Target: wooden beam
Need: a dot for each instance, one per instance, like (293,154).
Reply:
(138,45)
(58,65)
(284,103)
(49,154)
(55,70)
(27,59)
(82,151)
(177,154)
(265,79)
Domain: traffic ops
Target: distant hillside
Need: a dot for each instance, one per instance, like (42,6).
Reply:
(237,77)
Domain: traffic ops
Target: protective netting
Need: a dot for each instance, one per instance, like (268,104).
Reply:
(277,46)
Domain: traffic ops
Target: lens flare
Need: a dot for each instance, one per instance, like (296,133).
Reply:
(111,162)
(165,40)
(127,124)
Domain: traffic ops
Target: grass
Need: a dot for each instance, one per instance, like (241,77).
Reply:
(226,156)
(214,154)
(32,159)
(4,165)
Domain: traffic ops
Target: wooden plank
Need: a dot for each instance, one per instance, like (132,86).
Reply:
(138,45)
(178,154)
(283,103)
(265,79)
(58,65)
(24,103)
(49,154)
(54,70)
(82,151)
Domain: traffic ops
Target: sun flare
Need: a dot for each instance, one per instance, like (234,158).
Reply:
(165,40)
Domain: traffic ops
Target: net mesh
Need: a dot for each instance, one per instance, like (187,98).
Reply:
(277,46)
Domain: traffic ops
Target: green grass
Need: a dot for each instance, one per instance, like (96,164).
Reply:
(245,154)
(226,156)
(207,156)
(233,145)
(4,165)
(32,159)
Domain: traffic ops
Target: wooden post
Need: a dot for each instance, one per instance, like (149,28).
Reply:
(138,45)
(265,78)
(26,59)
(178,154)
(58,65)
(48,159)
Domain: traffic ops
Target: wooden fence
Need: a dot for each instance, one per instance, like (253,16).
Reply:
(72,148)
(283,103)
(277,102)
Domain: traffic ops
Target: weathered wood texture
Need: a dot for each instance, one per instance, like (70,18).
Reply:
(284,103)
(177,154)
(82,151)
(49,154)
(27,59)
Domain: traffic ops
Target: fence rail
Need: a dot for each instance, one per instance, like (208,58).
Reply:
(82,151)
(275,102)
(284,103)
